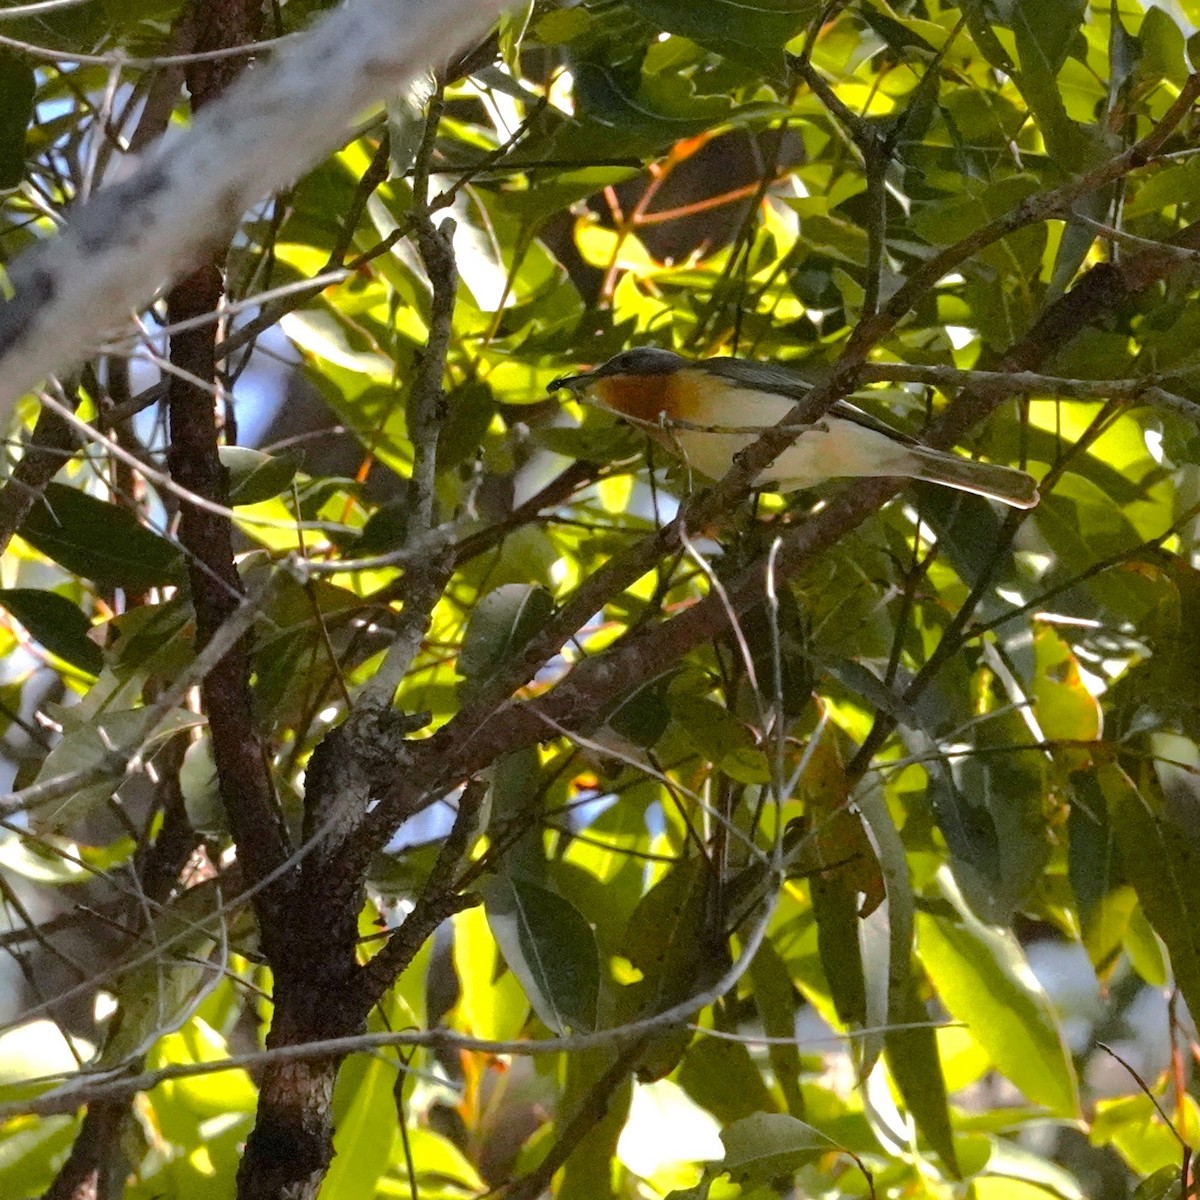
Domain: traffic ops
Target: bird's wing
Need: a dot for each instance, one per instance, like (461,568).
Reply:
(780,381)
(847,412)
(758,376)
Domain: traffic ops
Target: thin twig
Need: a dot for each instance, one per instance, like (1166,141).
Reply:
(78,1091)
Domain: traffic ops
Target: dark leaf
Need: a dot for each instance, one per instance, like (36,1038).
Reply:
(502,623)
(99,541)
(255,476)
(549,947)
(16,111)
(57,624)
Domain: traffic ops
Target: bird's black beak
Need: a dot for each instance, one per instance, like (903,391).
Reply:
(573,383)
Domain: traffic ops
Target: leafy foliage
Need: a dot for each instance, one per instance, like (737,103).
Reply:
(757,815)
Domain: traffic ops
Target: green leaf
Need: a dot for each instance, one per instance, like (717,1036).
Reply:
(1011,1161)
(634,113)
(736,27)
(441,1169)
(984,981)
(470,412)
(1133,1126)
(127,12)
(32,1152)
(778,643)
(592,1157)
(1162,860)
(1174,184)
(1064,707)
(561,25)
(701,1191)
(364,1105)
(17,88)
(222,1093)
(1145,949)
(1076,241)
(848,893)
(387,527)
(721,1076)
(668,940)
(38,861)
(549,947)
(666,935)
(775,1000)
(406,123)
(1044,33)
(34,1049)
(1105,904)
(644,717)
(57,624)
(835,906)
(549,195)
(491,1002)
(1004,796)
(516,800)
(502,623)
(1162,45)
(1162,1185)
(94,743)
(975,13)
(255,476)
(769,1146)
(918,1054)
(899,35)
(912,1056)
(719,736)
(99,541)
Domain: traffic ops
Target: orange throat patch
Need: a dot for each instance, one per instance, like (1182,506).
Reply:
(648,398)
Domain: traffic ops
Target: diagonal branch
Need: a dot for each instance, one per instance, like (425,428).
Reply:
(494,724)
(186,198)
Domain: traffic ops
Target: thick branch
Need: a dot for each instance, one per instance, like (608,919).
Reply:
(216,588)
(184,201)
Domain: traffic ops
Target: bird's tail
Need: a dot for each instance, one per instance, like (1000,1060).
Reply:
(1005,484)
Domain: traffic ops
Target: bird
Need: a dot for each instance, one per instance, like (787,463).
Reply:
(707,410)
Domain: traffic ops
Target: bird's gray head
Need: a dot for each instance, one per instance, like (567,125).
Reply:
(641,360)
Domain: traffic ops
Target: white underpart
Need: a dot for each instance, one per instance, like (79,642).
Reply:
(831,448)
(184,202)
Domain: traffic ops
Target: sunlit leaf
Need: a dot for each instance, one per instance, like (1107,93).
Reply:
(365,1104)
(983,979)
(37,1050)
(1160,861)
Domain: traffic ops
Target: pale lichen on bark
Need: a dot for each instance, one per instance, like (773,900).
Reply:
(150,229)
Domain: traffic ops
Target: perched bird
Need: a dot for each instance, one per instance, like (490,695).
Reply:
(706,410)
